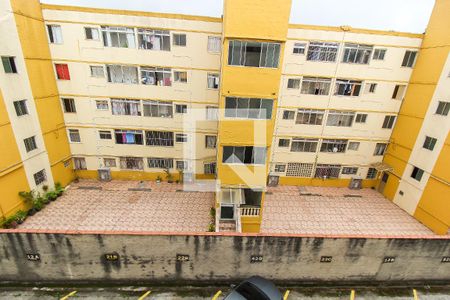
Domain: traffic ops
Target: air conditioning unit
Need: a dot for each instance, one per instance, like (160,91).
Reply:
(273,180)
(355,184)
(104,174)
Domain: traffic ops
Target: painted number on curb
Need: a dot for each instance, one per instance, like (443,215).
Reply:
(112,256)
(446,259)
(182,257)
(388,259)
(326,259)
(256,259)
(34,257)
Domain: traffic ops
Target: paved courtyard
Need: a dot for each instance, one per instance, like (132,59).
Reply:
(125,206)
(336,211)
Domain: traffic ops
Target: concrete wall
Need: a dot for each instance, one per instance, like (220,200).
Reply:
(69,258)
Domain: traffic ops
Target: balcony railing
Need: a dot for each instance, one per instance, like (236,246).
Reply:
(250,211)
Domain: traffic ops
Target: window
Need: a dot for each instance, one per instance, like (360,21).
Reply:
(181,138)
(349,170)
(181,165)
(293,83)
(101,104)
(320,51)
(304,145)
(180,108)
(429,143)
(340,118)
(210,141)
(69,105)
(388,122)
(443,108)
(214,43)
(40,177)
(160,163)
(213,81)
(110,162)
(74,136)
(361,118)
(211,113)
(253,54)
(159,138)
(126,107)
(54,34)
(131,163)
(180,76)
(91,33)
(105,135)
(354,146)
(179,39)
(30,143)
(371,173)
(327,171)
(248,108)
(284,142)
(244,155)
(122,74)
(280,168)
(357,54)
(299,169)
(131,137)
(309,117)
(21,107)
(316,86)
(417,173)
(288,115)
(380,148)
(9,64)
(346,87)
(399,91)
(333,146)
(379,54)
(409,59)
(62,71)
(371,87)
(158,109)
(97,71)
(156,76)
(158,40)
(121,37)
(79,163)
(209,168)
(299,48)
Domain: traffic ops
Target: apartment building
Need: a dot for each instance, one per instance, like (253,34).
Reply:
(272,102)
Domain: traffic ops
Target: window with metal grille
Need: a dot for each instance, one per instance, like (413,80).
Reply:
(122,74)
(74,136)
(62,71)
(54,34)
(79,163)
(105,135)
(158,109)
(30,143)
(371,173)
(304,145)
(345,87)
(340,118)
(181,165)
(253,54)
(210,141)
(315,86)
(126,107)
(159,138)
(283,142)
(299,169)
(354,146)
(209,168)
(443,108)
(156,76)
(21,107)
(409,58)
(309,117)
(244,155)
(110,162)
(213,81)
(102,104)
(293,83)
(379,54)
(349,170)
(179,39)
(299,48)
(280,168)
(321,51)
(361,118)
(131,163)
(160,163)
(333,146)
(69,105)
(357,53)
(327,171)
(417,173)
(40,177)
(181,138)
(429,143)
(248,108)
(9,64)
(288,115)
(149,39)
(97,71)
(180,108)
(214,44)
(121,37)
(129,137)
(388,122)
(380,148)
(91,33)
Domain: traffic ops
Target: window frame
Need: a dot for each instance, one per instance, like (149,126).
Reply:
(71,132)
(293,83)
(138,137)
(181,108)
(105,134)
(443,108)
(208,143)
(299,48)
(406,62)
(339,144)
(103,102)
(244,152)
(355,87)
(123,34)
(41,175)
(242,48)
(340,118)
(417,173)
(180,76)
(380,149)
(91,29)
(144,36)
(359,54)
(322,51)
(97,74)
(62,71)
(21,108)
(163,163)
(215,79)
(389,121)
(381,54)
(306,145)
(242,108)
(9,64)
(69,105)
(429,143)
(159,138)
(30,143)
(315,115)
(54,37)
(181,138)
(177,39)
(284,143)
(214,50)
(157,109)
(318,86)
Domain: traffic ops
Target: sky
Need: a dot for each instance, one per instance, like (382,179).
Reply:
(397,15)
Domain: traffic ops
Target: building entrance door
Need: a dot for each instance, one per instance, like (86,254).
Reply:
(383,181)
